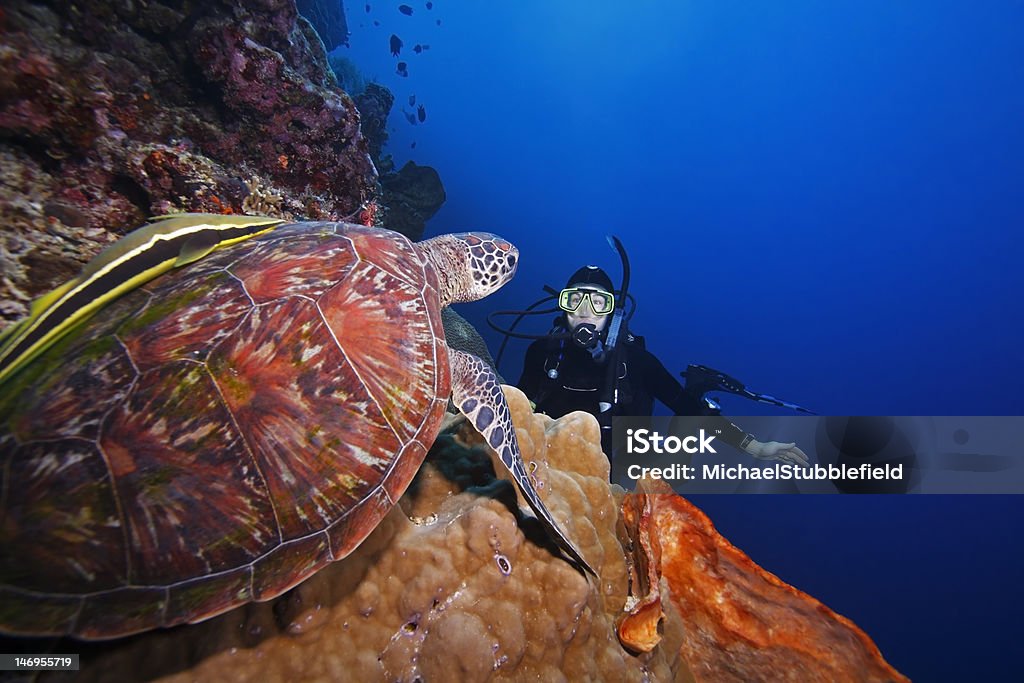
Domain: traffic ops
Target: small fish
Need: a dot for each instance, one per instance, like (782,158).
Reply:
(402,69)
(421,113)
(430,5)
(396,45)
(367,8)
(413,146)
(410,117)
(412,100)
(405,9)
(420,48)
(438,22)
(376,23)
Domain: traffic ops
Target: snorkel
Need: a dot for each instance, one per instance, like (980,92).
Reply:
(615,326)
(612,337)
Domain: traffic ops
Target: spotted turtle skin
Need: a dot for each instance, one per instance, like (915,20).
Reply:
(220,434)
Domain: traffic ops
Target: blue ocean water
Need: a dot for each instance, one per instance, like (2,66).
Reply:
(823,199)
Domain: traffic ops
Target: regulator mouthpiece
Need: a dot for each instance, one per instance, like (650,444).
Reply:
(585,336)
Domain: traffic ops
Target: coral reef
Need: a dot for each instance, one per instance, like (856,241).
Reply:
(458,584)
(328,18)
(374,105)
(351,81)
(413,195)
(741,622)
(111,112)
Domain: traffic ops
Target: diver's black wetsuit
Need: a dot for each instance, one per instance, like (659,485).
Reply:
(581,379)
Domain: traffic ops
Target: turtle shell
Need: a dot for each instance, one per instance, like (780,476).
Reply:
(219,435)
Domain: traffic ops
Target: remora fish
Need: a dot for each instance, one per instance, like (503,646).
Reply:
(130,262)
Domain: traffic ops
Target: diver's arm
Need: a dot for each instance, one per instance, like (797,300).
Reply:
(762,450)
(724,430)
(669,391)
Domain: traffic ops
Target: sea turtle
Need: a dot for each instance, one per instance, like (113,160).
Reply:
(221,433)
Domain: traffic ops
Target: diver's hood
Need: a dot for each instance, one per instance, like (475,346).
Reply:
(590,275)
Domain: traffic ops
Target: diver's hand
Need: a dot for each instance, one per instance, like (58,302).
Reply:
(788,453)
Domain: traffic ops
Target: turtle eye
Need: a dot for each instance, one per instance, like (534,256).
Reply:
(512,260)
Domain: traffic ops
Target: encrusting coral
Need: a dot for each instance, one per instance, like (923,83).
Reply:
(457,584)
(741,622)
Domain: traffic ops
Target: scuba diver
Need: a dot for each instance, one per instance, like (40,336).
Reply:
(590,361)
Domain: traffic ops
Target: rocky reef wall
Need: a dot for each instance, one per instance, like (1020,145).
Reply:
(112,112)
(328,18)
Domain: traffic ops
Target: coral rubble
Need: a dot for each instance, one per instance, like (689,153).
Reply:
(458,584)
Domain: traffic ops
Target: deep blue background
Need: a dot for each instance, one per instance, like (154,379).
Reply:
(824,199)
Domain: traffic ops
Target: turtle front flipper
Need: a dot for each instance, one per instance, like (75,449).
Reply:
(477,393)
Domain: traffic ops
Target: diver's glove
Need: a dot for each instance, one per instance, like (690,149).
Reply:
(787,453)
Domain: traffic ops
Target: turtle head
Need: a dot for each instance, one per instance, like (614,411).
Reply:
(470,265)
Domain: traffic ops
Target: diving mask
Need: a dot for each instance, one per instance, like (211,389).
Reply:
(571,298)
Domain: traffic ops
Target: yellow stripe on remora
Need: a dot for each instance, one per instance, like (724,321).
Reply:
(130,262)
